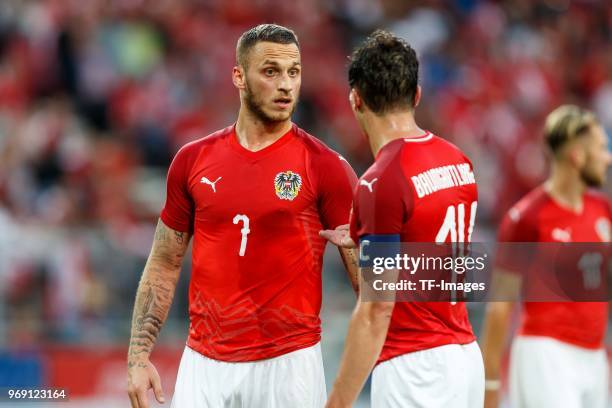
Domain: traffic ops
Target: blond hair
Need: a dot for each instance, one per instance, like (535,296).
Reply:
(566,123)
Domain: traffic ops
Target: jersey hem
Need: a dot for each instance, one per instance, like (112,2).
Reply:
(563,339)
(257,355)
(440,343)
(170,223)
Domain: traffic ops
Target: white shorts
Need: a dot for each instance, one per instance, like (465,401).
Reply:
(440,377)
(294,379)
(548,373)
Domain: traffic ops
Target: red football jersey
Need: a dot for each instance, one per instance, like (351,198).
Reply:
(538,218)
(423,190)
(255,289)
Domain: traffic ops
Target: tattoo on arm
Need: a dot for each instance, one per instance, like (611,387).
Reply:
(161,234)
(351,263)
(179,237)
(155,291)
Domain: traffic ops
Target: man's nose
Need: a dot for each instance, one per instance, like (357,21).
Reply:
(285,84)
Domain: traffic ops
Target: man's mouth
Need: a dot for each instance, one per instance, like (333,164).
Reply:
(283,103)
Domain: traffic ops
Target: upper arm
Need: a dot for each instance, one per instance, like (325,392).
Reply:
(336,180)
(380,206)
(178,211)
(169,246)
(514,230)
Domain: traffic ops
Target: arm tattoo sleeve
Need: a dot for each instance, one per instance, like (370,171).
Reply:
(155,291)
(351,263)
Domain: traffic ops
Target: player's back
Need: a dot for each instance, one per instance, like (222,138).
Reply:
(427,193)
(538,218)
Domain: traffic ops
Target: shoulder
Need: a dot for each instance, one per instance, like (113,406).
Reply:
(434,144)
(324,162)
(190,151)
(384,178)
(315,146)
(598,197)
(389,161)
(522,221)
(527,209)
(599,200)
(206,141)
(450,148)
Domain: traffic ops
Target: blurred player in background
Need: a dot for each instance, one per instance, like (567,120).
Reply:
(424,354)
(254,196)
(558,359)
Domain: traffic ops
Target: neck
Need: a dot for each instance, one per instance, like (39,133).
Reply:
(391,126)
(254,134)
(565,186)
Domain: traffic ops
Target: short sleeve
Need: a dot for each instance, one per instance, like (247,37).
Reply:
(336,181)
(178,211)
(380,204)
(514,229)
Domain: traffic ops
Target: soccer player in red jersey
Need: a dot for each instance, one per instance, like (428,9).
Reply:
(557,359)
(254,197)
(423,354)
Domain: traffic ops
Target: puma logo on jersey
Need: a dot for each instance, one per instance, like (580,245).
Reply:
(369,185)
(562,234)
(210,183)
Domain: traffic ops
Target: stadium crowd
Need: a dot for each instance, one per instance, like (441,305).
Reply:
(97,96)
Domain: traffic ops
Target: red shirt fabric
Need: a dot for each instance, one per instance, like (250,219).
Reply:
(398,195)
(255,289)
(538,218)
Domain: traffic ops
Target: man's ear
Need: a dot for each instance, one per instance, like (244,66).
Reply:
(576,154)
(238,77)
(417,96)
(355,99)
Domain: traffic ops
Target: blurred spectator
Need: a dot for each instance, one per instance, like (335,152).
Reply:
(97,96)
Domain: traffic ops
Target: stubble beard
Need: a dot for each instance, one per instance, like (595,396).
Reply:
(589,176)
(254,105)
(591,179)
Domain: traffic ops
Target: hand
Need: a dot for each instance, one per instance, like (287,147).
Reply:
(339,236)
(143,375)
(491,399)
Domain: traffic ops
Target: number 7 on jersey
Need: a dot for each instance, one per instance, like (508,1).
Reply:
(244,231)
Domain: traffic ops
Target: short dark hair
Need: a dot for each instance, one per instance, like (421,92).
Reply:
(566,123)
(263,32)
(385,71)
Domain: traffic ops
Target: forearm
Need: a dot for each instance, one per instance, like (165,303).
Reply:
(156,291)
(364,342)
(495,331)
(153,301)
(351,264)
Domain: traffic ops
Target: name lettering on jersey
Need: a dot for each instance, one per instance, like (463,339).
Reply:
(369,185)
(440,178)
(287,185)
(204,180)
(562,234)
(602,227)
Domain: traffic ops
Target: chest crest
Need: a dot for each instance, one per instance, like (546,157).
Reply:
(287,185)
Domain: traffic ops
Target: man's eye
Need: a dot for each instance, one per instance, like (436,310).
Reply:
(269,71)
(294,72)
